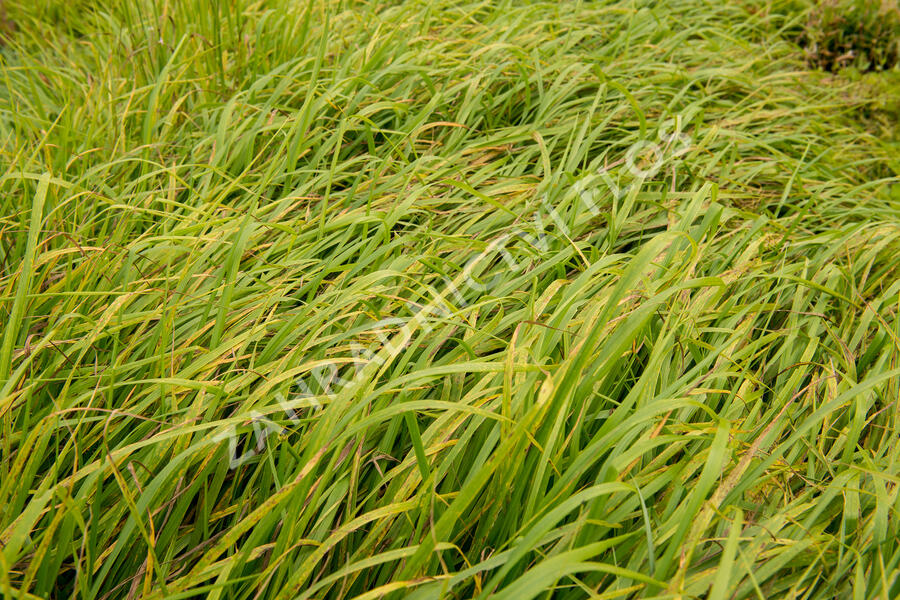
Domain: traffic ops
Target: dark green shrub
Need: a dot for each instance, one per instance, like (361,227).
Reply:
(859,33)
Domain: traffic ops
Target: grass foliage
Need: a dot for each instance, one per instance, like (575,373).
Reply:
(689,392)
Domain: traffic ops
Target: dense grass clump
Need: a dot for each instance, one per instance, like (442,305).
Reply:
(435,300)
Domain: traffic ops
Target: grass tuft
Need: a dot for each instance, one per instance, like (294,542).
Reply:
(427,300)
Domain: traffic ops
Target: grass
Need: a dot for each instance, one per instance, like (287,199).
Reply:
(444,300)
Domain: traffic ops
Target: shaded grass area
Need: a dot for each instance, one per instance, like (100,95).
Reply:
(680,383)
(842,33)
